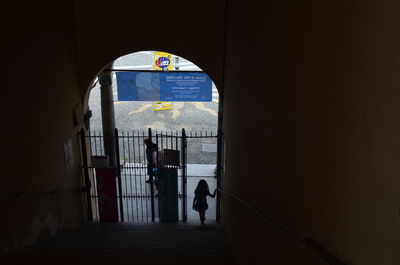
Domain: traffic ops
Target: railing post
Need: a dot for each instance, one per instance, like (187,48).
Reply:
(184,177)
(151,179)
(118,170)
(86,174)
(218,176)
(219,159)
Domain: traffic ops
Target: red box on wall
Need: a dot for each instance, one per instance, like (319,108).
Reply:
(107,195)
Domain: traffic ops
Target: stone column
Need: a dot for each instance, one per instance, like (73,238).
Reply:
(108,116)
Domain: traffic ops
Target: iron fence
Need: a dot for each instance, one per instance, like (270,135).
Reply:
(136,193)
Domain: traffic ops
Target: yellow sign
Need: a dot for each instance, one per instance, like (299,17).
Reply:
(162,61)
(162,105)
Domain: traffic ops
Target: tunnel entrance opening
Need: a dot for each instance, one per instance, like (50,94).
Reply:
(132,198)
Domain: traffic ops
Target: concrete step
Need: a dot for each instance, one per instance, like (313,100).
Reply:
(131,243)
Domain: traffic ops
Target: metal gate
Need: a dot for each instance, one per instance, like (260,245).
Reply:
(136,197)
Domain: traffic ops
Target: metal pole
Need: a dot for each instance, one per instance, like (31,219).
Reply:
(118,170)
(108,116)
(86,174)
(151,180)
(219,157)
(184,179)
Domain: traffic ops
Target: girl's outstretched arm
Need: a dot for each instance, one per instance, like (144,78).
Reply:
(213,195)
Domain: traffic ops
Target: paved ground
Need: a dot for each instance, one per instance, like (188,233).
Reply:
(145,243)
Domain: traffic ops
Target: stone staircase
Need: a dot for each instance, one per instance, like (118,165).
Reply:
(131,243)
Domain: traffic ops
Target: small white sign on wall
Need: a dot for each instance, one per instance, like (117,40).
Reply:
(68,154)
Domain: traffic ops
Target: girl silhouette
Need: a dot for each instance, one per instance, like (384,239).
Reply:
(200,199)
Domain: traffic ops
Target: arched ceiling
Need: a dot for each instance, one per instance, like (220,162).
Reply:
(104,33)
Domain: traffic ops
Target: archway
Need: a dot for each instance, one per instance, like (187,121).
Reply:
(133,118)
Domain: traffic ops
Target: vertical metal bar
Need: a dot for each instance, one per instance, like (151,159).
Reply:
(94,195)
(157,135)
(186,161)
(132,198)
(139,163)
(219,158)
(86,175)
(142,181)
(118,170)
(135,175)
(125,196)
(170,140)
(184,202)
(176,140)
(151,184)
(162,140)
(145,175)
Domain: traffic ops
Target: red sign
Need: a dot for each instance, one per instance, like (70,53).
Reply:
(107,195)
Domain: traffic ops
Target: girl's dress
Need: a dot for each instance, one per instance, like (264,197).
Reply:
(201,202)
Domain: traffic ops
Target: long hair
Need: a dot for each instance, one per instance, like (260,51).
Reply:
(202,187)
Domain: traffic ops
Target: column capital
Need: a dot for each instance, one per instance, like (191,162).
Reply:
(105,79)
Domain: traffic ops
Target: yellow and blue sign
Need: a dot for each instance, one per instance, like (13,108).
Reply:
(162,61)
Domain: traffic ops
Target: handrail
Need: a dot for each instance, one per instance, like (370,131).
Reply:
(315,247)
(47,192)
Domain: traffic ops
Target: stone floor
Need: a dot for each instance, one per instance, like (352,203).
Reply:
(132,243)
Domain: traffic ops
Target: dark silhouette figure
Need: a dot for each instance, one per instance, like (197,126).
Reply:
(150,157)
(200,199)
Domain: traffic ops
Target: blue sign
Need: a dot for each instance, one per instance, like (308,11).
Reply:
(164,86)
